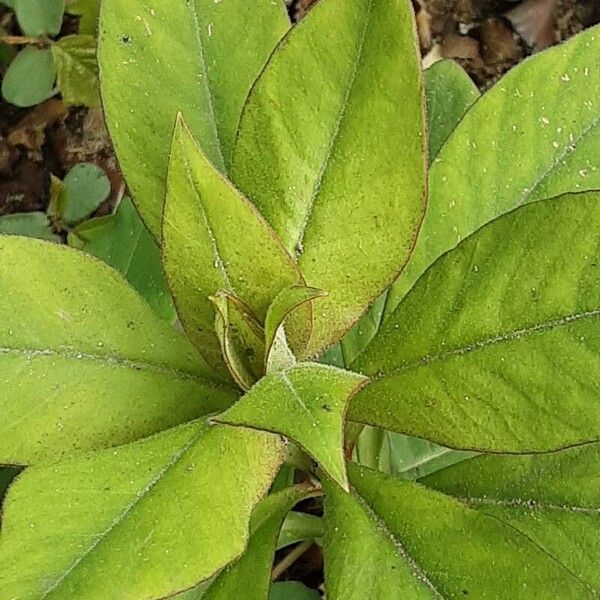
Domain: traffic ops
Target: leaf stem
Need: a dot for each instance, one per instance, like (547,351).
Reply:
(15,40)
(289,559)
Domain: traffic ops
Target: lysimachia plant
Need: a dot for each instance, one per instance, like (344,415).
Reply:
(296,190)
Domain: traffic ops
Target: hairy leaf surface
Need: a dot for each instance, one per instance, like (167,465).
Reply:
(147,519)
(84,362)
(306,403)
(534,135)
(196,56)
(214,239)
(390,538)
(333,164)
(554,499)
(498,345)
(250,577)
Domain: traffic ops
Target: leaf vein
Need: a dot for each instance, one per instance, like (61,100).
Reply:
(497,339)
(298,246)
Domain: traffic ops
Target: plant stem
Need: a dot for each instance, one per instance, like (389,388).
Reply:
(288,560)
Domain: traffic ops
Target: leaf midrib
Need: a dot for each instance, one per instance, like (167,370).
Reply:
(298,245)
(105,359)
(124,513)
(219,261)
(205,82)
(527,196)
(482,344)
(416,570)
(530,504)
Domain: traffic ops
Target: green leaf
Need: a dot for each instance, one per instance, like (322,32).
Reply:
(39,17)
(207,54)
(122,241)
(449,93)
(89,12)
(504,329)
(554,499)
(521,142)
(147,519)
(214,239)
(412,458)
(299,527)
(84,362)
(77,70)
(306,403)
(412,542)
(242,339)
(402,455)
(282,322)
(86,187)
(292,590)
(34,224)
(29,79)
(250,577)
(333,164)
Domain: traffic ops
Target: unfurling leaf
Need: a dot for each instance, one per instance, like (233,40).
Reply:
(213,240)
(242,339)
(289,316)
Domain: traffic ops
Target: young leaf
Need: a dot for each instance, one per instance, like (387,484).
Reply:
(281,312)
(148,519)
(29,79)
(306,403)
(85,363)
(214,239)
(242,339)
(449,93)
(298,527)
(554,499)
(77,70)
(412,542)
(39,17)
(198,56)
(86,188)
(33,224)
(504,329)
(122,241)
(333,164)
(521,142)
